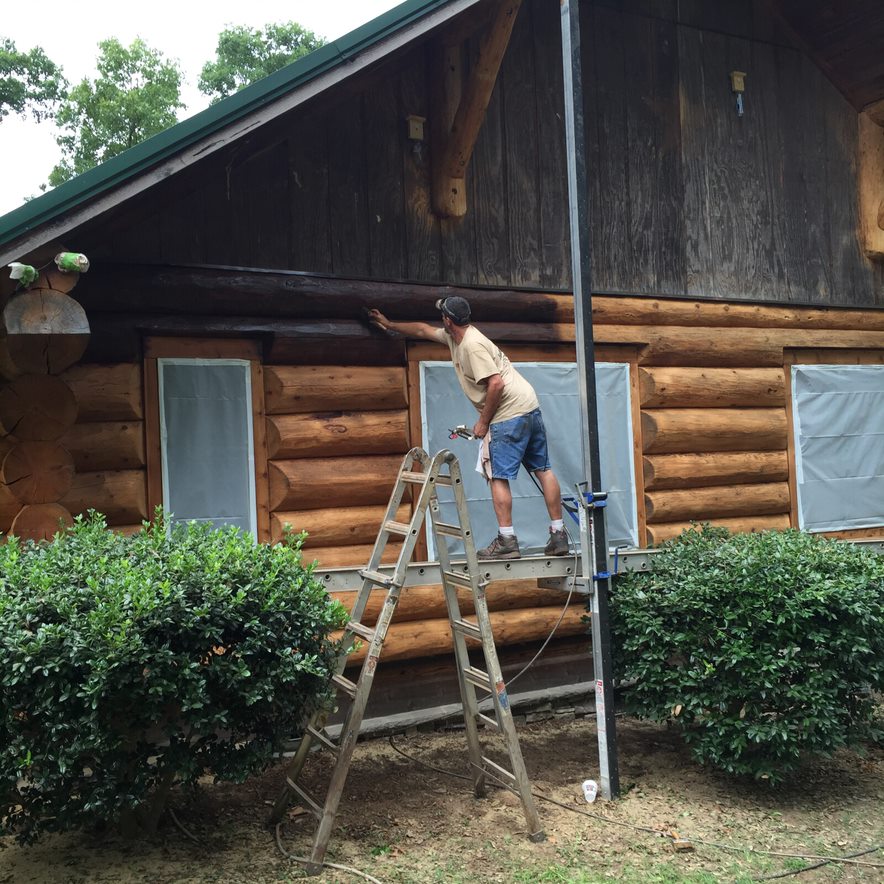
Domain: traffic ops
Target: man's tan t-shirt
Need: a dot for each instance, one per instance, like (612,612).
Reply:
(476,359)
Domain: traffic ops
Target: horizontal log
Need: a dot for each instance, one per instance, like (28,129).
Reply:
(37,408)
(332,434)
(689,430)
(120,496)
(744,525)
(717,502)
(349,556)
(314,483)
(410,639)
(428,602)
(210,290)
(330,331)
(358,352)
(336,526)
(721,468)
(108,445)
(219,290)
(299,389)
(40,521)
(106,392)
(727,347)
(661,345)
(614,310)
(38,472)
(711,387)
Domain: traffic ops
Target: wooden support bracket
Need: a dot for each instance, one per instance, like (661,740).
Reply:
(458,112)
(871,180)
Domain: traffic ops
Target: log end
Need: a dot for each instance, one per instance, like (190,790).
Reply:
(41,521)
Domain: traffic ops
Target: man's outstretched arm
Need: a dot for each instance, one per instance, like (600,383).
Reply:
(409,329)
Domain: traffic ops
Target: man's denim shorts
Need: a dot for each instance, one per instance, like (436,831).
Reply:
(520,440)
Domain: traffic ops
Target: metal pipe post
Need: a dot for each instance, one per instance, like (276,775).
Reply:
(595,551)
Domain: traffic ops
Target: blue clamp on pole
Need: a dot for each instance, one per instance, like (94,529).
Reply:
(596,499)
(602,575)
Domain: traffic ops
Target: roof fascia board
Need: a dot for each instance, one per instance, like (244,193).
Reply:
(348,66)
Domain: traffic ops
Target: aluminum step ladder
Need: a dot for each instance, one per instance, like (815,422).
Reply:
(425,475)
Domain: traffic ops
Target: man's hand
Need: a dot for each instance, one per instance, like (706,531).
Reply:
(375,317)
(480,429)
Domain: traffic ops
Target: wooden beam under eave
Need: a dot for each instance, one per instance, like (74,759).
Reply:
(454,151)
(871,185)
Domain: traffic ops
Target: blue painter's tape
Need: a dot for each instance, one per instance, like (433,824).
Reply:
(502,695)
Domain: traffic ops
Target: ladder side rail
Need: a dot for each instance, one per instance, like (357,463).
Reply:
(380,544)
(499,692)
(318,720)
(353,719)
(350,731)
(461,653)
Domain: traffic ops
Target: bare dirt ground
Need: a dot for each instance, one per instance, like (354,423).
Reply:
(403,823)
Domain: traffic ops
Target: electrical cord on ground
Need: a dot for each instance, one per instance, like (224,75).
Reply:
(848,859)
(337,866)
(181,825)
(818,865)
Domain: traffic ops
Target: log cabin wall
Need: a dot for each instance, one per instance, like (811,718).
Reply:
(689,199)
(710,410)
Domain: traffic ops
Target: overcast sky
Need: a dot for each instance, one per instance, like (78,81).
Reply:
(181,30)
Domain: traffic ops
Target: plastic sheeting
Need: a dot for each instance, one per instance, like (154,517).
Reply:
(839,445)
(444,406)
(207,447)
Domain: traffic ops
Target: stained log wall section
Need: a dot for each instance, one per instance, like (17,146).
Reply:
(689,199)
(710,379)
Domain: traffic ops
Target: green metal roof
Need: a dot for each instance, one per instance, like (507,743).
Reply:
(138,159)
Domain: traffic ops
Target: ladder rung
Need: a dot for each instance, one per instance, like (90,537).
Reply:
(498,769)
(347,686)
(377,577)
(360,629)
(470,630)
(460,579)
(478,678)
(306,798)
(402,528)
(490,722)
(421,478)
(320,737)
(450,530)
(411,476)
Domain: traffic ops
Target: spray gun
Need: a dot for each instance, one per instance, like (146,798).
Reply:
(461,432)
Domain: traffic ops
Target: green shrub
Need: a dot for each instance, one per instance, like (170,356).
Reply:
(130,663)
(759,647)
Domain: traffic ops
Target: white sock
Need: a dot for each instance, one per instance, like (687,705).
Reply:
(506,532)
(557,525)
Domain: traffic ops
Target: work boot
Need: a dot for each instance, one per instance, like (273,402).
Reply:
(501,548)
(557,544)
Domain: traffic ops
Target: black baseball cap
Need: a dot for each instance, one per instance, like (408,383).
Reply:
(455,308)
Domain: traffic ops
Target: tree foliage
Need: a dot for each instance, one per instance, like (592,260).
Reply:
(758,647)
(244,55)
(136,94)
(128,664)
(29,81)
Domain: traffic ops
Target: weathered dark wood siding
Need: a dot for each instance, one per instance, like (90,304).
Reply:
(689,198)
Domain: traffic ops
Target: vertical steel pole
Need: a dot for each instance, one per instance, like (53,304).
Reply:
(581,273)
